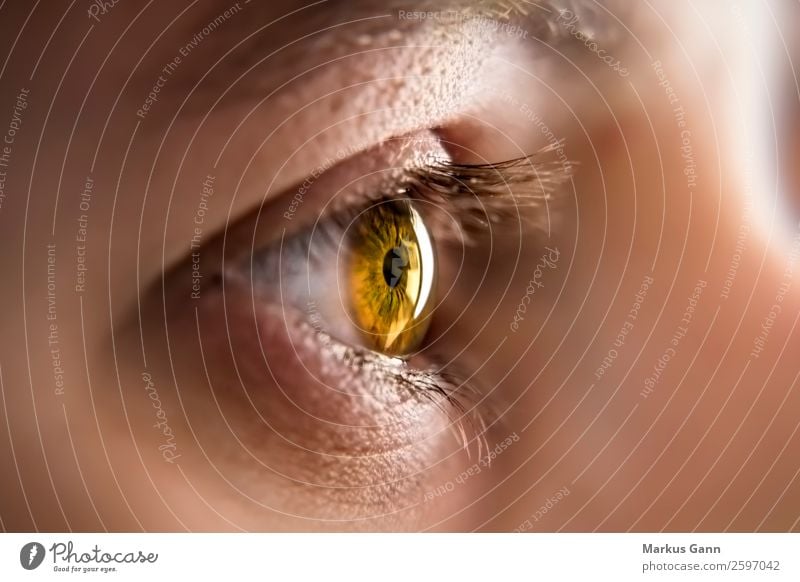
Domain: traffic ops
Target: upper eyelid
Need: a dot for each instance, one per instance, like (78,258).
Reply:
(244,194)
(292,148)
(248,191)
(519,190)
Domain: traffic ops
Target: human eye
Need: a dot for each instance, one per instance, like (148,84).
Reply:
(384,271)
(366,269)
(324,321)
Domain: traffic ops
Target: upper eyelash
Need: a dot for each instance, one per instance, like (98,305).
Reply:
(477,194)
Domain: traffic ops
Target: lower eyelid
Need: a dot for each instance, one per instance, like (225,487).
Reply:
(294,429)
(288,406)
(372,381)
(331,384)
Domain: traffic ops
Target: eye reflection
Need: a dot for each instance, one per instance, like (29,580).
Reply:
(391,272)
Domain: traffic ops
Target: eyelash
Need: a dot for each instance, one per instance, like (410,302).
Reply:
(476,195)
(479,194)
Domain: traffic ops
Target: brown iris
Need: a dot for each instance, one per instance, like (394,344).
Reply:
(391,273)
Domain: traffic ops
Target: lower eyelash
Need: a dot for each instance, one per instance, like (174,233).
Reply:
(455,398)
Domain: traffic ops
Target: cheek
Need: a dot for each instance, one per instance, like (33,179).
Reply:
(292,425)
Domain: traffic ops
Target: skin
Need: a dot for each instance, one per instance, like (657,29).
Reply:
(226,412)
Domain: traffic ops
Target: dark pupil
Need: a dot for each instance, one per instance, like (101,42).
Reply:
(395,262)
